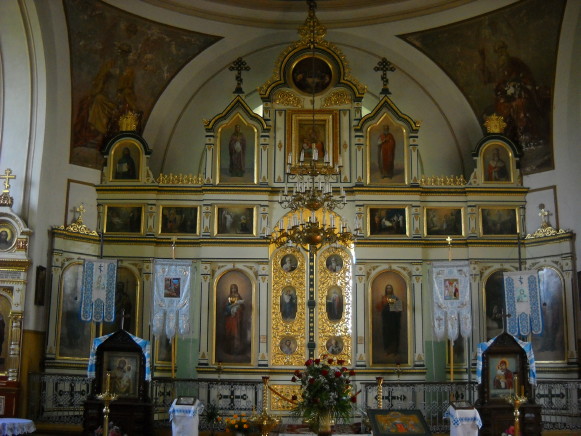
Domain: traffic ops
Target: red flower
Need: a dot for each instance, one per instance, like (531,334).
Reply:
(337,374)
(343,369)
(353,399)
(294,398)
(352,372)
(324,372)
(294,379)
(309,362)
(297,373)
(311,381)
(340,362)
(330,361)
(317,361)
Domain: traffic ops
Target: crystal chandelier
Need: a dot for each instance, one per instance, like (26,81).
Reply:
(313,223)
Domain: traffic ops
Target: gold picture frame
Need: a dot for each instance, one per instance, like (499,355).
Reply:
(312,74)
(234,220)
(496,163)
(126,160)
(179,220)
(499,221)
(124,219)
(237,153)
(444,221)
(304,130)
(388,221)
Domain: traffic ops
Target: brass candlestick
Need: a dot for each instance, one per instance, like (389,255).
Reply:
(106,397)
(516,401)
(264,421)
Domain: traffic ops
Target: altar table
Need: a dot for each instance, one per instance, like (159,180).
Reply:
(16,426)
(463,422)
(185,418)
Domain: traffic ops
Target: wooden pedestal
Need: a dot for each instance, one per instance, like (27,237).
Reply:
(496,418)
(134,418)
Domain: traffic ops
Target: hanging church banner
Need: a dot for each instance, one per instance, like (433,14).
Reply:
(523,303)
(98,290)
(171,297)
(452,300)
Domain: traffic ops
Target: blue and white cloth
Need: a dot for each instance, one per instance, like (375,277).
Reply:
(143,344)
(523,303)
(98,290)
(451,291)
(463,422)
(171,297)
(185,418)
(526,346)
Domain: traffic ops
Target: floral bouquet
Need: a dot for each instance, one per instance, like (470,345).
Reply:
(509,431)
(326,391)
(239,424)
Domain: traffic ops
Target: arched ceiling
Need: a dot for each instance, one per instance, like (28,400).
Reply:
(288,13)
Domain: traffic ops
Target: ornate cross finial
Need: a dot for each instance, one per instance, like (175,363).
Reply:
(239,65)
(544,216)
(495,124)
(80,210)
(384,66)
(7,176)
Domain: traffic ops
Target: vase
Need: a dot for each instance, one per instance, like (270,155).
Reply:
(325,427)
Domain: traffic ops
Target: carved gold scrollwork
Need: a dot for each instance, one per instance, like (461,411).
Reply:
(288,346)
(288,98)
(337,98)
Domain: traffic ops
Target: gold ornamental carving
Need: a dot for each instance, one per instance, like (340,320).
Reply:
(495,124)
(288,98)
(128,121)
(288,308)
(443,180)
(179,179)
(279,401)
(334,271)
(337,98)
(77,225)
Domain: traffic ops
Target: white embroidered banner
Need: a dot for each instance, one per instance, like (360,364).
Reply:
(451,299)
(523,303)
(98,290)
(171,297)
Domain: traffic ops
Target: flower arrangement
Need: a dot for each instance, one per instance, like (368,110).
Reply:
(326,391)
(509,431)
(211,417)
(239,424)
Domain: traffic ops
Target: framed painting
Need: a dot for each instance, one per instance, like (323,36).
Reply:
(386,153)
(334,263)
(443,221)
(288,304)
(234,221)
(497,163)
(288,345)
(334,303)
(124,369)
(237,153)
(499,221)
(312,138)
(550,345)
(233,318)
(178,220)
(125,161)
(8,235)
(289,263)
(389,327)
(126,303)
(73,336)
(501,371)
(334,345)
(312,75)
(387,221)
(401,422)
(123,219)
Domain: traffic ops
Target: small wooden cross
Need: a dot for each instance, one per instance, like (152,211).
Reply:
(239,65)
(7,176)
(384,66)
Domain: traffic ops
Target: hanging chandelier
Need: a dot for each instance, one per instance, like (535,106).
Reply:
(313,222)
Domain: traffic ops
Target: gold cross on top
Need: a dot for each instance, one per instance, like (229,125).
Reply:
(7,176)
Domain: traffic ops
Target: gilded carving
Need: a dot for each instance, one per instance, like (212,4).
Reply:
(281,396)
(288,346)
(288,98)
(334,303)
(337,98)
(179,179)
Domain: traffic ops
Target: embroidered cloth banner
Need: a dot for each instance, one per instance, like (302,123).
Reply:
(171,297)
(452,312)
(98,290)
(523,303)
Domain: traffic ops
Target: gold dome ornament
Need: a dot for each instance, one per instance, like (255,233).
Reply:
(495,124)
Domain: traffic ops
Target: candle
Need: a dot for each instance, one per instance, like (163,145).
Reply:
(290,159)
(108,384)
(516,384)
